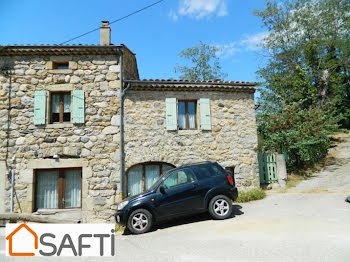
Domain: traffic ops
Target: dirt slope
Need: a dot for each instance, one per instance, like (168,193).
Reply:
(335,177)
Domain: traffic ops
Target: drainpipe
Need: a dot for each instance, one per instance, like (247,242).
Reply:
(122,142)
(12,190)
(121,128)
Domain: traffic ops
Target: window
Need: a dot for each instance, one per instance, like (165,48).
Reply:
(187,114)
(182,114)
(60,65)
(142,176)
(58,188)
(60,107)
(178,178)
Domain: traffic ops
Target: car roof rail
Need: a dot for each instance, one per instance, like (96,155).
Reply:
(197,163)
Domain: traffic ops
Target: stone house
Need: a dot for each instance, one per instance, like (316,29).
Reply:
(79,130)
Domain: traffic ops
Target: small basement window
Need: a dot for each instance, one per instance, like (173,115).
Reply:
(60,65)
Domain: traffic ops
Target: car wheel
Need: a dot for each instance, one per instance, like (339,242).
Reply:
(140,221)
(220,207)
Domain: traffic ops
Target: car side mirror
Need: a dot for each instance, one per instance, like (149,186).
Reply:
(162,189)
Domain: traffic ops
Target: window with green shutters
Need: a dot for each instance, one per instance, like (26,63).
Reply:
(171,114)
(40,107)
(205,113)
(63,107)
(78,107)
(182,114)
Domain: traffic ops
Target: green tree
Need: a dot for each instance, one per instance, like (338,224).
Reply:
(308,52)
(205,63)
(306,80)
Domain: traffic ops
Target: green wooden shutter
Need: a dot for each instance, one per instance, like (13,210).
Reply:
(205,113)
(40,107)
(78,116)
(171,114)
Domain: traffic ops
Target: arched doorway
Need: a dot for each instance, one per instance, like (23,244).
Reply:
(142,176)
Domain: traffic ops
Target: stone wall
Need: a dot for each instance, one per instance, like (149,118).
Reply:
(231,142)
(95,144)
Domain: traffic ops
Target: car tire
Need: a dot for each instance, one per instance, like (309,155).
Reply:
(140,221)
(220,207)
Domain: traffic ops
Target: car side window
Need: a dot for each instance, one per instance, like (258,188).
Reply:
(202,172)
(178,178)
(216,171)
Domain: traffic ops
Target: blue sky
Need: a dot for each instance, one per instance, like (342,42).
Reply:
(156,35)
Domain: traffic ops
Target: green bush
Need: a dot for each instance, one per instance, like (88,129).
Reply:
(253,194)
(302,133)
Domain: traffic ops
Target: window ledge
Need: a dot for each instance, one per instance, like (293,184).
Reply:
(188,132)
(52,211)
(59,125)
(61,71)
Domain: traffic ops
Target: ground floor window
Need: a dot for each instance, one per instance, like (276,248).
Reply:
(58,188)
(142,176)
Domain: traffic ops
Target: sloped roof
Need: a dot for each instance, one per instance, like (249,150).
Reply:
(13,50)
(178,85)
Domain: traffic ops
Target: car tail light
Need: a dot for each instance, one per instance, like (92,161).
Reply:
(230,180)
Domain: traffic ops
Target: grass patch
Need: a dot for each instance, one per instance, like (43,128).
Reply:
(119,228)
(293,180)
(253,194)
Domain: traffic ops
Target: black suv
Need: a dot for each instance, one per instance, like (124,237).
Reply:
(181,191)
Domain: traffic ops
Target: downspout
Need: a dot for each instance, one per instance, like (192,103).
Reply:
(12,208)
(121,128)
(12,172)
(122,141)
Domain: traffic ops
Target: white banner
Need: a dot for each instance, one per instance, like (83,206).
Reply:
(60,240)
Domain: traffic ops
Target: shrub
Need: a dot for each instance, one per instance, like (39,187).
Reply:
(302,133)
(253,194)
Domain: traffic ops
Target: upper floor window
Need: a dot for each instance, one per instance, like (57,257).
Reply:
(60,107)
(60,65)
(187,114)
(182,114)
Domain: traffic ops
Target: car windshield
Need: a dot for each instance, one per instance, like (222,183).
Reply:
(155,184)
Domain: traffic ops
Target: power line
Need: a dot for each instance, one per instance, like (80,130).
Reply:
(114,21)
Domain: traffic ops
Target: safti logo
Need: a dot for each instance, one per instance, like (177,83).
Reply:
(60,240)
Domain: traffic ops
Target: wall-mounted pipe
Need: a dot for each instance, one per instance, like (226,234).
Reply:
(121,127)
(12,207)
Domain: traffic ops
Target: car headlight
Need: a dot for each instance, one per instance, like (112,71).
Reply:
(122,205)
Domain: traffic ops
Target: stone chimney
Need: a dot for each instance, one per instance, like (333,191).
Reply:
(105,33)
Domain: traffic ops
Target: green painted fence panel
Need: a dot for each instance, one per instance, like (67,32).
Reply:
(267,168)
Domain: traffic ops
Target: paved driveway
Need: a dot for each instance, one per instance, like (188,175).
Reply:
(282,227)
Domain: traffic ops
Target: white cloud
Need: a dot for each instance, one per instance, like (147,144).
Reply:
(199,9)
(172,15)
(253,42)
(227,50)
(246,44)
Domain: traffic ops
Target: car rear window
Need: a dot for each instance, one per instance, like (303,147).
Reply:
(207,171)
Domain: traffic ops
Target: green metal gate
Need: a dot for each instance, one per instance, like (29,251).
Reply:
(267,168)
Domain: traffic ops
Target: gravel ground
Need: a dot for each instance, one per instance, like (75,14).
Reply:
(281,227)
(335,177)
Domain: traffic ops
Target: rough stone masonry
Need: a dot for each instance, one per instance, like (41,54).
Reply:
(94,145)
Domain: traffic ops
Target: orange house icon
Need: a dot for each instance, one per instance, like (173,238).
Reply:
(9,238)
